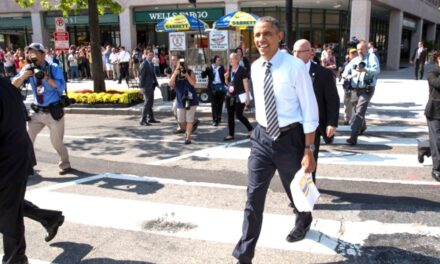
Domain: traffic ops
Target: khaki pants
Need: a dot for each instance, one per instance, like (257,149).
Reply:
(56,130)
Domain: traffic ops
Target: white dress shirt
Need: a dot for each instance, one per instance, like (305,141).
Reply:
(124,56)
(294,96)
(217,79)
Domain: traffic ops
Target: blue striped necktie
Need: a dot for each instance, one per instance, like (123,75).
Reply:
(273,128)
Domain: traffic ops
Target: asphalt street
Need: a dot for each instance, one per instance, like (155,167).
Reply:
(139,195)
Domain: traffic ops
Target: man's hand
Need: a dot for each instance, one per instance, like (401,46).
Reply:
(308,161)
(330,131)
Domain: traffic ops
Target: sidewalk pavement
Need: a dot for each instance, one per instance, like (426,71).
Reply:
(204,109)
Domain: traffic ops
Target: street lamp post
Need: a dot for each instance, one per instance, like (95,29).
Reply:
(288,13)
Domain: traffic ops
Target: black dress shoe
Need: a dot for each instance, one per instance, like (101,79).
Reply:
(242,262)
(52,229)
(64,171)
(298,233)
(215,123)
(153,121)
(228,138)
(144,123)
(351,141)
(187,141)
(436,175)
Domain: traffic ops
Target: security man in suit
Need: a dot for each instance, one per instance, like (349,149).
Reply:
(216,88)
(17,161)
(420,59)
(147,83)
(287,116)
(324,85)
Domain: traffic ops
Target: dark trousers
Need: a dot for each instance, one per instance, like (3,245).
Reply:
(285,155)
(124,72)
(217,100)
(147,112)
(434,142)
(420,67)
(235,109)
(359,123)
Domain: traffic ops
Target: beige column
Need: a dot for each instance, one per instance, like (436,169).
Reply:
(231,6)
(416,36)
(127,29)
(39,32)
(394,39)
(360,19)
(430,32)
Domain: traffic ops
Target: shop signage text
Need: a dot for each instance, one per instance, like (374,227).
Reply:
(210,14)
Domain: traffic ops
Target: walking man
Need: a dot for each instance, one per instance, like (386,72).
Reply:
(47,109)
(287,116)
(419,58)
(147,83)
(324,85)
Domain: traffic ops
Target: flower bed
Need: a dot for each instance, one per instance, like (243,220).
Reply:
(125,97)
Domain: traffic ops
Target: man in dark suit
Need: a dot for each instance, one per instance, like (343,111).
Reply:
(148,82)
(419,59)
(216,88)
(324,85)
(17,161)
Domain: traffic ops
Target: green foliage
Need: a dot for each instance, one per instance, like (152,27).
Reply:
(67,6)
(110,97)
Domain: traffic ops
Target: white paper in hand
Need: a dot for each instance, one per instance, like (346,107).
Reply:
(304,191)
(242,97)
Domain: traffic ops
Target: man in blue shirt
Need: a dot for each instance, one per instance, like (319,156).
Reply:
(47,82)
(362,71)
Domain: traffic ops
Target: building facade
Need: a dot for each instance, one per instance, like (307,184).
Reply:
(395,26)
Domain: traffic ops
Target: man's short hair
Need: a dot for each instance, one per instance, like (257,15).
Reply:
(273,21)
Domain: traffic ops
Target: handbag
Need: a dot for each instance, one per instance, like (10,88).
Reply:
(56,111)
(304,191)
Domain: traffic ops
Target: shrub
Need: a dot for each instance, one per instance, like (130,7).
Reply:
(109,97)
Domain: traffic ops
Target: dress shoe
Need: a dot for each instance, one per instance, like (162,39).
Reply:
(52,229)
(153,121)
(215,123)
(65,171)
(187,141)
(436,175)
(298,233)
(144,123)
(363,130)
(351,141)
(242,262)
(228,138)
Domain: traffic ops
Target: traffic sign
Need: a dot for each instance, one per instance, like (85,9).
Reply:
(60,24)
(61,40)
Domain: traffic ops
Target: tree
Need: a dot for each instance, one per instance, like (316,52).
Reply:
(95,8)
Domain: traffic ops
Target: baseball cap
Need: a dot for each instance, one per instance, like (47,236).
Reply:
(36,46)
(352,50)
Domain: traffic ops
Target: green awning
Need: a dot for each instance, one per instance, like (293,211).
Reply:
(15,23)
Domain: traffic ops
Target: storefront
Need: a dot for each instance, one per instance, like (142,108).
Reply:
(146,20)
(15,31)
(319,26)
(78,28)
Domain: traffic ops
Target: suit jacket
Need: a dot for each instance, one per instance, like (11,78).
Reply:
(432,109)
(209,71)
(324,85)
(422,57)
(147,77)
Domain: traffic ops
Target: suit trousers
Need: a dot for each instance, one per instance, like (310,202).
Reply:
(434,142)
(124,73)
(217,100)
(235,109)
(267,156)
(147,112)
(420,67)
(56,130)
(359,123)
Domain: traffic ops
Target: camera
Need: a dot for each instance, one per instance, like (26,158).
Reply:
(66,101)
(368,83)
(182,67)
(38,73)
(187,98)
(362,65)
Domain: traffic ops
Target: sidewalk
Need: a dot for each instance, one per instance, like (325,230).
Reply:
(386,78)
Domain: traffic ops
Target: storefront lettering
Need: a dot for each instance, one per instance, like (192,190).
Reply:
(164,15)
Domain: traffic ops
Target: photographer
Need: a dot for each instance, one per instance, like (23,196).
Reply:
(47,82)
(183,81)
(362,72)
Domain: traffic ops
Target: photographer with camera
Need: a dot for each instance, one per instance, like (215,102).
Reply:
(183,80)
(362,72)
(48,85)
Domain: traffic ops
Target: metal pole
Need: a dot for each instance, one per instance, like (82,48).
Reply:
(200,32)
(288,13)
(64,66)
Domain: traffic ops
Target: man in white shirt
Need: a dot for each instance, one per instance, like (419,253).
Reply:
(287,116)
(124,59)
(114,60)
(420,59)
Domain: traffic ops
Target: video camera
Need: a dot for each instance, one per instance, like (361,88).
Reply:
(187,99)
(38,72)
(360,66)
